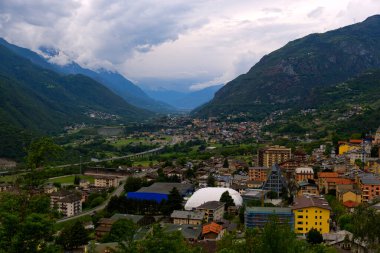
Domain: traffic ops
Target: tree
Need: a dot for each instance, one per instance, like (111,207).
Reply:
(132,184)
(272,195)
(190,173)
(73,236)
(359,163)
(174,201)
(76,180)
(25,225)
(314,236)
(366,226)
(273,238)
(42,151)
(225,163)
(210,181)
(34,232)
(345,222)
(123,231)
(160,241)
(375,151)
(227,199)
(242,214)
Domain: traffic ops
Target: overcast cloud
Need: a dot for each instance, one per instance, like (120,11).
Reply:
(211,41)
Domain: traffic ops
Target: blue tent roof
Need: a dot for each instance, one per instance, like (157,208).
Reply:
(158,197)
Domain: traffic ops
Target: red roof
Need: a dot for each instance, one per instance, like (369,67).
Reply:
(327,174)
(356,141)
(350,204)
(339,180)
(212,228)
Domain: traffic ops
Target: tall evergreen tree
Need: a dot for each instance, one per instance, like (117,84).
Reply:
(133,184)
(174,201)
(225,163)
(227,199)
(211,181)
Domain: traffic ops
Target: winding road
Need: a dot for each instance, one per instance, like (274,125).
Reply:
(117,192)
(120,188)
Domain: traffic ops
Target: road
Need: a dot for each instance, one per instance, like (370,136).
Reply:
(175,140)
(114,158)
(119,190)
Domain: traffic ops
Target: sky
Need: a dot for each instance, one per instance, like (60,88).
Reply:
(174,44)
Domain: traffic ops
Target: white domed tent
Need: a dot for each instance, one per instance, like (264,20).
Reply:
(211,194)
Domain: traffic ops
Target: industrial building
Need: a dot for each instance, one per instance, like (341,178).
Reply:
(259,216)
(160,191)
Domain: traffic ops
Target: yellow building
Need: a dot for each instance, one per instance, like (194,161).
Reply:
(347,193)
(344,148)
(311,212)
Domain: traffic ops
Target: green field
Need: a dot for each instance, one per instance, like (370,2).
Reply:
(144,163)
(125,141)
(70,179)
(10,178)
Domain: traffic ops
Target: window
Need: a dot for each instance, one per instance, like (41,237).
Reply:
(316,217)
(316,211)
(300,222)
(299,229)
(300,216)
(300,210)
(320,223)
(320,217)
(316,223)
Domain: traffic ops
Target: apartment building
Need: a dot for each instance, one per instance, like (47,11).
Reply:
(274,155)
(311,212)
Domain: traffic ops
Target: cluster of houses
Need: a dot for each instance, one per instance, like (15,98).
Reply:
(212,130)
(69,202)
(307,178)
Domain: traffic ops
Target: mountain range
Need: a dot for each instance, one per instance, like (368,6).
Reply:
(38,100)
(117,83)
(184,101)
(288,77)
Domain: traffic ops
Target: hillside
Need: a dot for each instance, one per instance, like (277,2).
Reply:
(117,83)
(345,108)
(38,100)
(287,77)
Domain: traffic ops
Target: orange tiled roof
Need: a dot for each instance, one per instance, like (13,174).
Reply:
(212,227)
(356,141)
(327,174)
(350,204)
(339,180)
